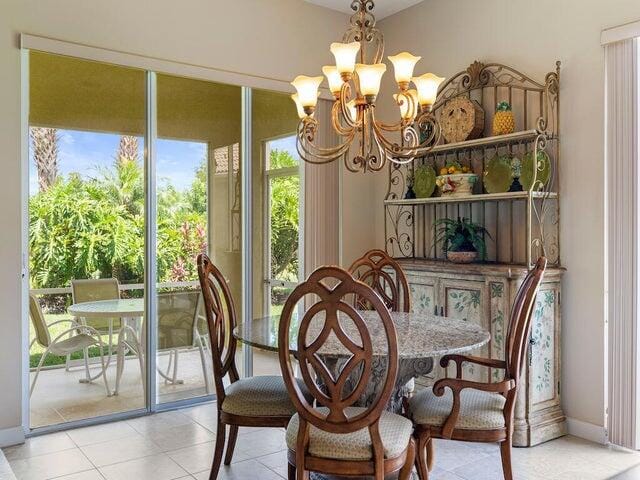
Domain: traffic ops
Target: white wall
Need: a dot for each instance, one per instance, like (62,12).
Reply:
(531,36)
(274,39)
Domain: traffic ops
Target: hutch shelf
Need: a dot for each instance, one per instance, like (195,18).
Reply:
(522,225)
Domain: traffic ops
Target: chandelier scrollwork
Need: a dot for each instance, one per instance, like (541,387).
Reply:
(355,87)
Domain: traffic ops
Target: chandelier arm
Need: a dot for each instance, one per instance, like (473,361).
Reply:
(343,99)
(404,153)
(336,117)
(312,153)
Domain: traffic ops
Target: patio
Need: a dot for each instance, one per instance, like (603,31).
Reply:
(60,397)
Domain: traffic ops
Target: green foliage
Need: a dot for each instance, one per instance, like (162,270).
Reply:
(461,235)
(94,227)
(285,213)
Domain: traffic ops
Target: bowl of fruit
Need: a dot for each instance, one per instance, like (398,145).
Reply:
(456,180)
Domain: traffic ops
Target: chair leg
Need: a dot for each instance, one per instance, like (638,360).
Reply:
(205,371)
(505,453)
(421,457)
(431,457)
(405,472)
(217,457)
(231,444)
(291,472)
(35,377)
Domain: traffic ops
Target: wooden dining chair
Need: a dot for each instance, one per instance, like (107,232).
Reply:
(385,276)
(337,438)
(471,411)
(248,402)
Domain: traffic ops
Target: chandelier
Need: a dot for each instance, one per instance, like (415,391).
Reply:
(354,82)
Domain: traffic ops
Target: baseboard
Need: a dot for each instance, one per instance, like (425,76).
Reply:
(11,436)
(587,431)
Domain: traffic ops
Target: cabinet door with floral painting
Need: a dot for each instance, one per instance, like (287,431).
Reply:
(467,300)
(543,360)
(499,317)
(423,293)
(423,290)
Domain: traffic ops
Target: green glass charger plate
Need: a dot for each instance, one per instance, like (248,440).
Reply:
(498,176)
(544,170)
(424,181)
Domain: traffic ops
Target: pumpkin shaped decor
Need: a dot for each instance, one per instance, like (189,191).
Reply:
(461,119)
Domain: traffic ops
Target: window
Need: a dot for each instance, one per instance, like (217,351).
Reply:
(283,221)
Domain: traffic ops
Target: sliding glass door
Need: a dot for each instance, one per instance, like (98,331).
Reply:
(198,211)
(86,236)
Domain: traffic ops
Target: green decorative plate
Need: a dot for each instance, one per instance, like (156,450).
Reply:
(544,170)
(498,176)
(424,181)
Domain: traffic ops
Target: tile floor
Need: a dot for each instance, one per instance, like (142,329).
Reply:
(179,445)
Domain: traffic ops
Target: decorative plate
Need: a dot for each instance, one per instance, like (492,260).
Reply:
(498,176)
(544,170)
(424,181)
(461,119)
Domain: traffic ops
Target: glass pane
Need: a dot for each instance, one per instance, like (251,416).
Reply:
(86,230)
(197,170)
(284,223)
(276,211)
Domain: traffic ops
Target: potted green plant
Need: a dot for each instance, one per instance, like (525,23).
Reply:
(462,240)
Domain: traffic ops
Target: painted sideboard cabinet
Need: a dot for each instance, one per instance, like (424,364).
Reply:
(483,294)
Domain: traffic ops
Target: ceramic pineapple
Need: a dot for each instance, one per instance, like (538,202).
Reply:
(503,121)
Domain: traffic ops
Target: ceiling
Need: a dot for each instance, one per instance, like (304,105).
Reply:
(383,8)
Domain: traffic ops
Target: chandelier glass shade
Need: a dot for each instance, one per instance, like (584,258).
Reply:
(354,82)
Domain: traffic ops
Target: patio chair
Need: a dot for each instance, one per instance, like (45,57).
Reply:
(179,316)
(90,290)
(78,338)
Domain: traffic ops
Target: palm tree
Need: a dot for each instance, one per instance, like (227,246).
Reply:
(128,149)
(44,142)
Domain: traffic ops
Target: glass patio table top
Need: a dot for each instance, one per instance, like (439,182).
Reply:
(125,307)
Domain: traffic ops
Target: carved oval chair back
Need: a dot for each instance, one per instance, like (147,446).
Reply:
(331,319)
(260,401)
(385,276)
(221,320)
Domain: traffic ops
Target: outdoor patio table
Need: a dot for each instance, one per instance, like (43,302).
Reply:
(131,310)
(421,337)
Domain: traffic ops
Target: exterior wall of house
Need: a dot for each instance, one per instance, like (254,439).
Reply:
(277,39)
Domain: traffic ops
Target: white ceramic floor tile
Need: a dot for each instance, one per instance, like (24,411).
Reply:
(51,465)
(159,422)
(120,450)
(451,455)
(88,475)
(155,467)
(43,444)
(180,437)
(249,469)
(100,433)
(194,459)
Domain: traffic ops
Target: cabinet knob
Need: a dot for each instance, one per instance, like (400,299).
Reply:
(442,311)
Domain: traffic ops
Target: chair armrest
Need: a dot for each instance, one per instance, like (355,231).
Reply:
(460,359)
(457,385)
(64,320)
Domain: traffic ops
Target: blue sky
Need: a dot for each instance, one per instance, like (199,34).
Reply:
(87,152)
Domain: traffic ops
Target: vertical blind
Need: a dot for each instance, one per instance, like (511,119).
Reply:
(621,150)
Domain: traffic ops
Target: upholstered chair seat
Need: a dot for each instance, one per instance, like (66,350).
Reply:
(395,432)
(478,410)
(263,396)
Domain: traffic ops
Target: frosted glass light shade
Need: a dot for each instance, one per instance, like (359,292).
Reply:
(403,65)
(427,86)
(353,111)
(408,107)
(333,78)
(345,55)
(299,108)
(307,88)
(370,77)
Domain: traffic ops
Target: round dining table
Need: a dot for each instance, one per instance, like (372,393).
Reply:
(421,338)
